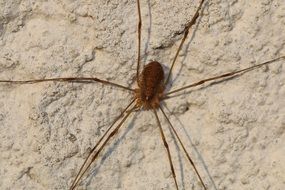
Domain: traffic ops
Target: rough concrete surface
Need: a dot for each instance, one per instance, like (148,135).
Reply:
(234,130)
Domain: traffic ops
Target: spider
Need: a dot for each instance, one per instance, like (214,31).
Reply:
(153,102)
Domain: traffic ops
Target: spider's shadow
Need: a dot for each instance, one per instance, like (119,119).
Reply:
(130,126)
(110,150)
(178,151)
(148,33)
(185,49)
(184,127)
(183,92)
(195,149)
(191,40)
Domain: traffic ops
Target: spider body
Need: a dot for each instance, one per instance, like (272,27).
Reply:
(150,91)
(151,86)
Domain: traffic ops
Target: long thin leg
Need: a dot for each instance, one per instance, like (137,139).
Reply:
(67,79)
(167,148)
(139,40)
(86,166)
(93,149)
(189,25)
(224,75)
(183,147)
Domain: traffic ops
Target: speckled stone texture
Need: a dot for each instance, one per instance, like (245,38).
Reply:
(234,129)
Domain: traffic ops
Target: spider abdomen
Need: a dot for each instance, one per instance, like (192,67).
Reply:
(151,85)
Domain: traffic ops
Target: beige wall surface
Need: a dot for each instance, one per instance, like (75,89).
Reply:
(234,130)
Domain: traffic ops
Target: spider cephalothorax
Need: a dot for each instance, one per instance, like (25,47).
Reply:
(147,96)
(151,86)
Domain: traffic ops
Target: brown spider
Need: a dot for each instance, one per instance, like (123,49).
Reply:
(149,95)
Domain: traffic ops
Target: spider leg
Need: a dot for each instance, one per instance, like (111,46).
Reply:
(139,39)
(183,147)
(187,28)
(67,79)
(167,148)
(94,154)
(242,71)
